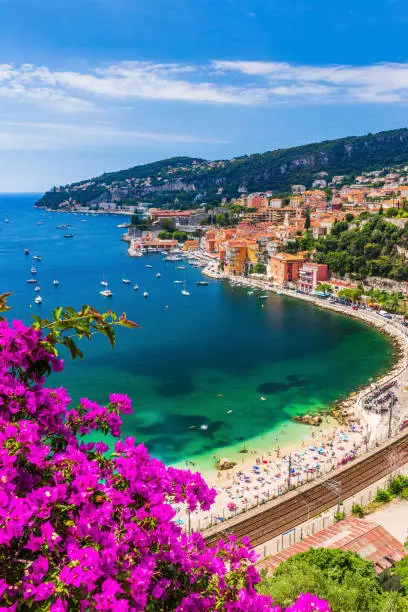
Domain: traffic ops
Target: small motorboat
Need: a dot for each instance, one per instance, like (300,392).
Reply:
(36,257)
(204,427)
(177,282)
(26,252)
(106,293)
(38,299)
(37,288)
(136,287)
(201,283)
(250,293)
(263,297)
(104,283)
(68,235)
(126,281)
(149,266)
(31,281)
(122,225)
(158,275)
(40,222)
(33,270)
(6,220)
(55,282)
(145,294)
(185,292)
(181,267)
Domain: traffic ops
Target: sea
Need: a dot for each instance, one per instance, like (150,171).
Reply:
(209,374)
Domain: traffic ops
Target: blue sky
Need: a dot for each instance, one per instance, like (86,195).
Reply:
(96,85)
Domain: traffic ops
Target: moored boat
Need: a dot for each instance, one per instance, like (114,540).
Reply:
(145,294)
(106,293)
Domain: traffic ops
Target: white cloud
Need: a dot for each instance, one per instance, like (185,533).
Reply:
(32,135)
(243,83)
(378,83)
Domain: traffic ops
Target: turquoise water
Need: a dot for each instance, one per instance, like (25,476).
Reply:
(194,361)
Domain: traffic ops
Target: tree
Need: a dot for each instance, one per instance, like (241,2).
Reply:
(344,579)
(259,268)
(324,288)
(221,219)
(352,295)
(349,217)
(307,219)
(168,224)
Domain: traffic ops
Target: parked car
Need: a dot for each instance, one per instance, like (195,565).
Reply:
(385,314)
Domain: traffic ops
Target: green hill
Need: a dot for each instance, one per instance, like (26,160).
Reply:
(183,181)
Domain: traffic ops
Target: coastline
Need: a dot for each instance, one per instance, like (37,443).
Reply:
(350,434)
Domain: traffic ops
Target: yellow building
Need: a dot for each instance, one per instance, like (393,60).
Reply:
(235,257)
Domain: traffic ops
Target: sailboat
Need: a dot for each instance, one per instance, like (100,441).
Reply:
(55,282)
(106,293)
(145,294)
(136,287)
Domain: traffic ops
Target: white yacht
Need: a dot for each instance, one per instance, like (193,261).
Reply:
(178,282)
(37,257)
(126,281)
(38,299)
(145,294)
(31,281)
(173,258)
(106,293)
(185,292)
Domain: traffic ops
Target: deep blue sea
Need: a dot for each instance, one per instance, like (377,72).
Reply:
(194,358)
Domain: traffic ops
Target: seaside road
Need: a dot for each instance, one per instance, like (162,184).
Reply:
(296,507)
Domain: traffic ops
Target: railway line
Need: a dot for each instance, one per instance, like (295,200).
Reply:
(279,516)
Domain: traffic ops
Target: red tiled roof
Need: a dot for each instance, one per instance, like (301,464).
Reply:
(369,540)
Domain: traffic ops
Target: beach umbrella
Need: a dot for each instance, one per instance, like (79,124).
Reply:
(255,467)
(312,448)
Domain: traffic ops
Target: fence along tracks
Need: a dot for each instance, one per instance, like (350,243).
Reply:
(279,516)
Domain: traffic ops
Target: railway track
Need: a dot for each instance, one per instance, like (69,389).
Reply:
(281,515)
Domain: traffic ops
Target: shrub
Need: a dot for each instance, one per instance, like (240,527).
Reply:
(357,510)
(398,484)
(339,516)
(383,495)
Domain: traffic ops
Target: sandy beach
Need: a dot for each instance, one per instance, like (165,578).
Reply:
(363,422)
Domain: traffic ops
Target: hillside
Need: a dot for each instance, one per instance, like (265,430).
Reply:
(183,181)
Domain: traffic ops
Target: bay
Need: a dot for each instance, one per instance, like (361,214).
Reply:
(195,358)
